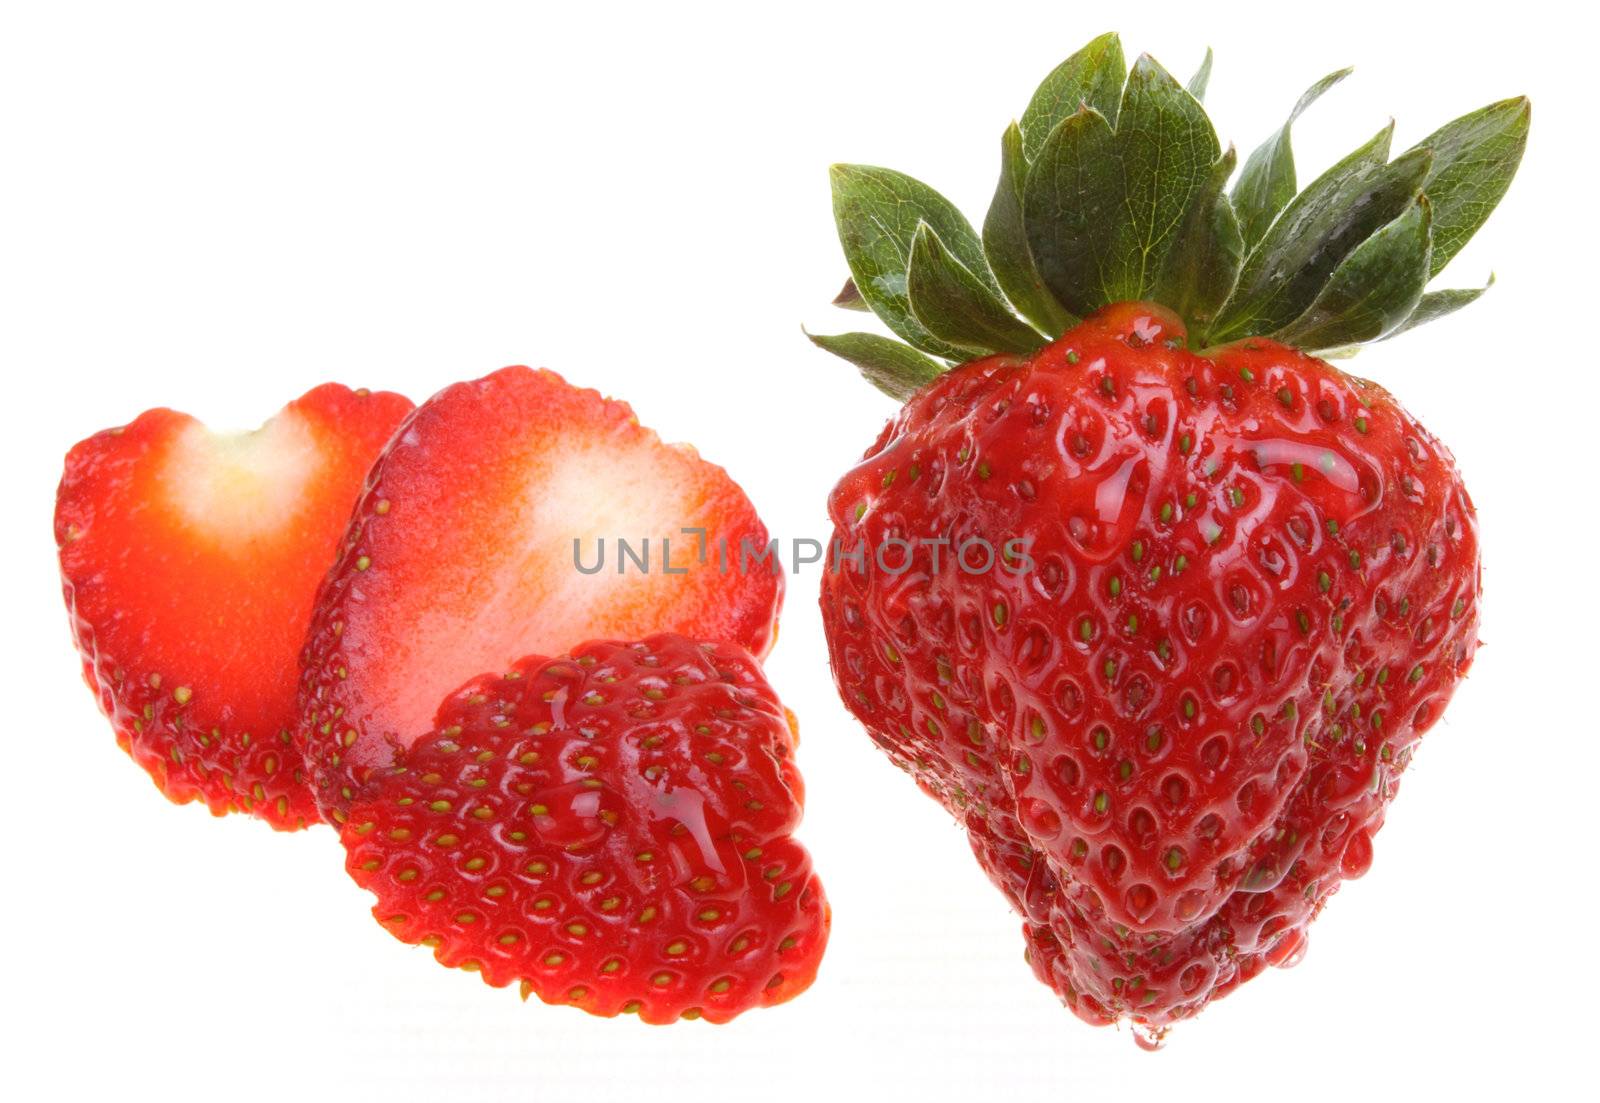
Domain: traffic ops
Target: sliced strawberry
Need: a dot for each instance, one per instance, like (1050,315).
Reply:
(461,557)
(189,561)
(611,829)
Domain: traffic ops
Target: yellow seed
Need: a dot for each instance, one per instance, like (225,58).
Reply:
(182,695)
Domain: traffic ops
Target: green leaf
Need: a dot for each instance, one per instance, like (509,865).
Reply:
(1373,291)
(1202,79)
(1316,231)
(1436,304)
(1474,159)
(1102,208)
(1092,76)
(897,370)
(849,297)
(1006,245)
(1268,181)
(1204,264)
(878,211)
(955,306)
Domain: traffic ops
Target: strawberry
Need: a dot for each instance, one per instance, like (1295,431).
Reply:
(477,542)
(1155,601)
(189,561)
(611,829)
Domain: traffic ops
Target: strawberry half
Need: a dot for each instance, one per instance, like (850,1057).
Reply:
(611,829)
(189,561)
(461,558)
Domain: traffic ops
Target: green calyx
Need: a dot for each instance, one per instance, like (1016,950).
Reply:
(1114,188)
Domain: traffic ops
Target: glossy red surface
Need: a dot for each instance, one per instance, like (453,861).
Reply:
(612,830)
(1171,722)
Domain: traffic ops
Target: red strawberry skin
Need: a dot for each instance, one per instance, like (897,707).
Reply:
(460,557)
(612,829)
(189,564)
(1251,584)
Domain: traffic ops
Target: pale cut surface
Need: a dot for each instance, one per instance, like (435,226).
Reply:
(461,558)
(240,487)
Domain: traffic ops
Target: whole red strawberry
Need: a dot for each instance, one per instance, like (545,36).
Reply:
(611,829)
(189,562)
(1162,627)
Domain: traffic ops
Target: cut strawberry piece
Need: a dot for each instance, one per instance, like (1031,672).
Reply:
(189,562)
(465,554)
(612,829)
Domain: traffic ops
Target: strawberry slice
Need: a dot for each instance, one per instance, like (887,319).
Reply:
(611,829)
(189,562)
(465,554)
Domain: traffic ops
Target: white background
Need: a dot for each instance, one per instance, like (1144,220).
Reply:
(216,207)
